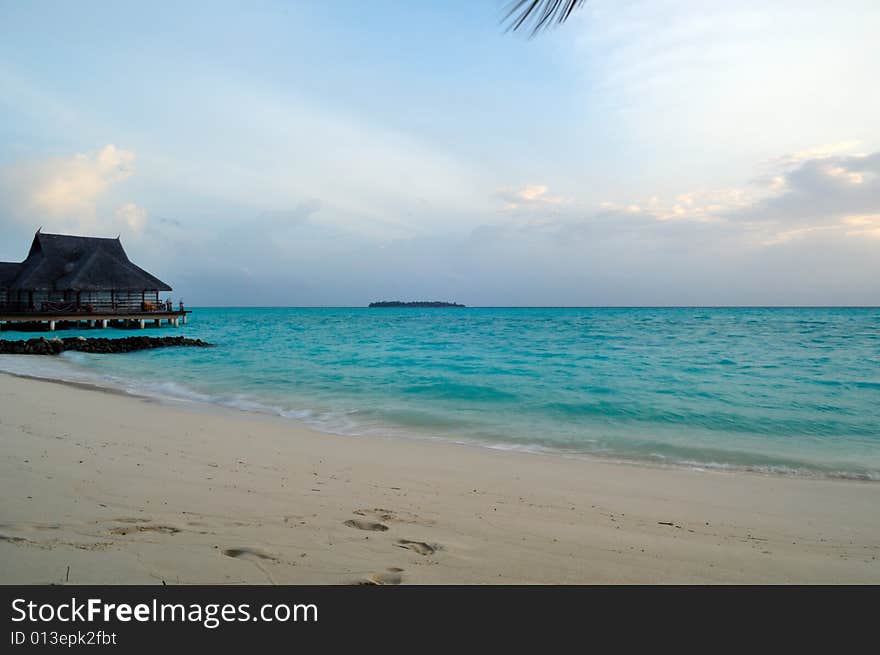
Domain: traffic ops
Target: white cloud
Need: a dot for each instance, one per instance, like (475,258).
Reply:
(819,152)
(66,193)
(132,217)
(813,194)
(821,190)
(698,205)
(862,226)
(532,191)
(714,246)
(531,195)
(70,186)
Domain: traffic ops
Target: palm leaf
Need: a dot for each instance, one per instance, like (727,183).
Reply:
(538,15)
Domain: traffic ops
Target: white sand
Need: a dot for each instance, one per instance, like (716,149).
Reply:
(124,490)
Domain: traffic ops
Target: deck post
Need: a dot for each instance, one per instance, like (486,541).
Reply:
(157,322)
(142,322)
(104,323)
(51,326)
(184,319)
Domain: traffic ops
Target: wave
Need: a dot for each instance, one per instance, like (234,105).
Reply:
(722,422)
(456,390)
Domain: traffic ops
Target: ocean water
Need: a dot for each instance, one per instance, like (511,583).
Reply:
(792,391)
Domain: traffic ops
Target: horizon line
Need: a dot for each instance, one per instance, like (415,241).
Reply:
(544,307)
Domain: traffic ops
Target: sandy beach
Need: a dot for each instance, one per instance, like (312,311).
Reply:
(101,487)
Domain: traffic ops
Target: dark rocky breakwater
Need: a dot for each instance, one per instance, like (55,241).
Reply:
(44,346)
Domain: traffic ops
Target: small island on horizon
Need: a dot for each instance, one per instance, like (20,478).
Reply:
(415,303)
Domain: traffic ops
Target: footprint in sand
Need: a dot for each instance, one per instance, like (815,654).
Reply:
(376,513)
(391,577)
(29,527)
(365,525)
(420,547)
(247,553)
(396,516)
(163,529)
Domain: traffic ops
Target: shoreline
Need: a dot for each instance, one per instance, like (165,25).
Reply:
(127,489)
(207,407)
(274,413)
(257,409)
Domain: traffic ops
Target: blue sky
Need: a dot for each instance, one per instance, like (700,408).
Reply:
(647,152)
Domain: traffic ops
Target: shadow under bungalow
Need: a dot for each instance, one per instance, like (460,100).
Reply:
(70,280)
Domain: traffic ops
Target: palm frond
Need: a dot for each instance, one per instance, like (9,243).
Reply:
(538,15)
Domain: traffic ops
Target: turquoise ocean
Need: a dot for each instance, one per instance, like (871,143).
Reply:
(780,390)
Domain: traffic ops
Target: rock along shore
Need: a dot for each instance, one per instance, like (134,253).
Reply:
(43,346)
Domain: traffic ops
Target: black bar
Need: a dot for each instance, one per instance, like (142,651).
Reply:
(377,618)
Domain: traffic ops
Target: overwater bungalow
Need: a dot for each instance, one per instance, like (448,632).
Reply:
(80,279)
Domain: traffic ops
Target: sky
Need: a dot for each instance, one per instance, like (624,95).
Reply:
(647,152)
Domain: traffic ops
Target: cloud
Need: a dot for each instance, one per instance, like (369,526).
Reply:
(697,205)
(819,152)
(859,226)
(69,194)
(531,195)
(132,216)
(808,196)
(821,191)
(751,244)
(531,192)
(67,186)
(696,247)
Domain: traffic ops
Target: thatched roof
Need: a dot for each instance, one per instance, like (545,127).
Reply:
(8,272)
(59,262)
